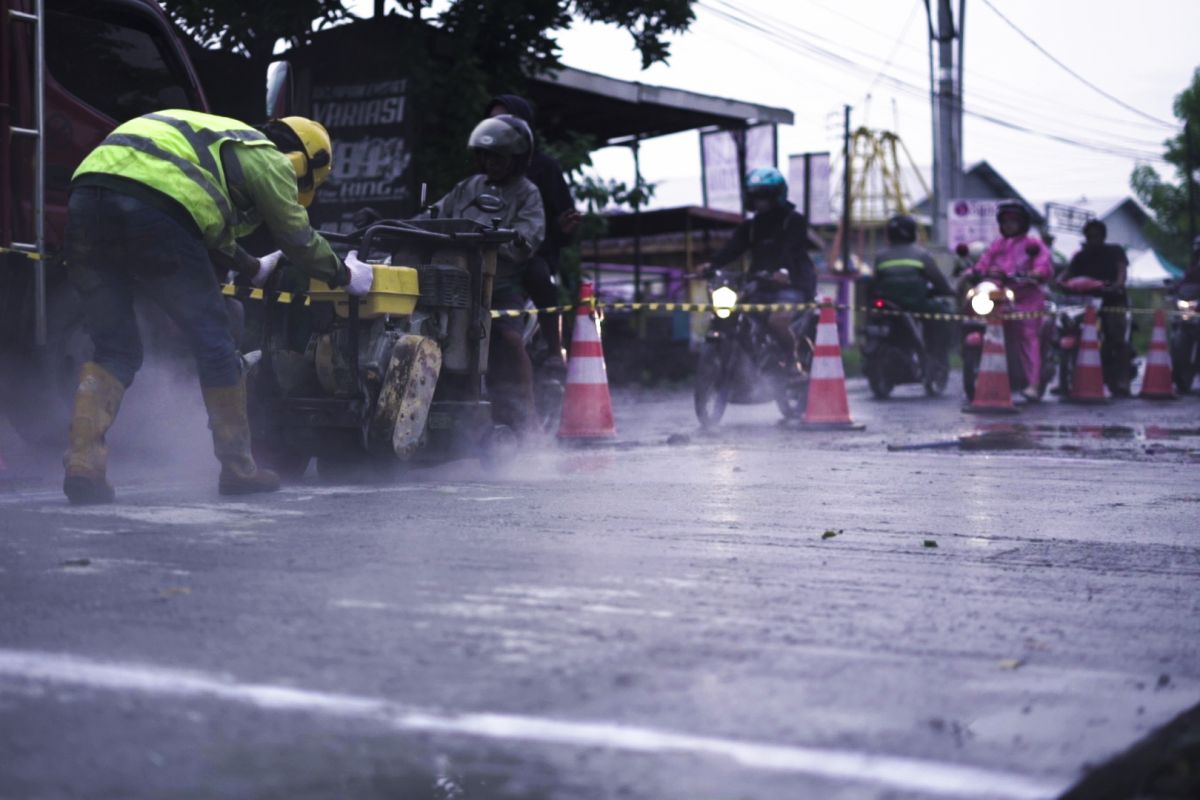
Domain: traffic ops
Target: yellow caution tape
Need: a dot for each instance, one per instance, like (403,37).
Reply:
(26,253)
(501,313)
(242,292)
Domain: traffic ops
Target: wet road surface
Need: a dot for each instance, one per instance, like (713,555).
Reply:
(757,612)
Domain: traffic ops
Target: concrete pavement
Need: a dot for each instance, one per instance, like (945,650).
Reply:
(644,620)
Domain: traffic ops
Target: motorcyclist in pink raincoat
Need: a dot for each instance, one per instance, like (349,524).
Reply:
(1024,263)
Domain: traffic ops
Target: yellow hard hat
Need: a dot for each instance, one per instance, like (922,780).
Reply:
(314,163)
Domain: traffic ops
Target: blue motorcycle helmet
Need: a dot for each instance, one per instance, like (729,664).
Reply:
(765,188)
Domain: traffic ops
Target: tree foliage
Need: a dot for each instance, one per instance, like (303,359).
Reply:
(253,28)
(1168,199)
(475,49)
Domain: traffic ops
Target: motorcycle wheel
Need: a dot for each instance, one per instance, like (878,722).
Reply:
(711,394)
(549,401)
(970,370)
(1183,375)
(1066,374)
(791,396)
(939,376)
(499,448)
(878,381)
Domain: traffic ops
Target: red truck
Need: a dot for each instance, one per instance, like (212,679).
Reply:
(70,71)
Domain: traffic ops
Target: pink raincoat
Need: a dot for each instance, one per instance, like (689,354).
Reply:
(1011,257)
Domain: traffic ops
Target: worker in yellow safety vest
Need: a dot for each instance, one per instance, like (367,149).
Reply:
(160,201)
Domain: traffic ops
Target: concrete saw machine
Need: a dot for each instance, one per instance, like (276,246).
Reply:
(392,377)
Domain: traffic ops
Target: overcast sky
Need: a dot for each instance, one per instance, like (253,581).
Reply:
(1142,53)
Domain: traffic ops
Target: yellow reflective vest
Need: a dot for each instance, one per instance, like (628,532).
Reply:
(178,152)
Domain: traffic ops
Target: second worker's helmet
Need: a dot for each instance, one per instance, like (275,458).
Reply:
(504,134)
(766,183)
(902,229)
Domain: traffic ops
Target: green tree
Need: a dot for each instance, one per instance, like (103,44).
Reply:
(1166,199)
(252,29)
(474,49)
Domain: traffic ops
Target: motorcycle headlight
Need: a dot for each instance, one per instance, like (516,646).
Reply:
(1185,305)
(723,300)
(981,298)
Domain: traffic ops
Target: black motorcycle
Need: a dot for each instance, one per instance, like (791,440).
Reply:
(894,352)
(980,298)
(1184,337)
(741,361)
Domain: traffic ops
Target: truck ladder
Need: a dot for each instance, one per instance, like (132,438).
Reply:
(37,248)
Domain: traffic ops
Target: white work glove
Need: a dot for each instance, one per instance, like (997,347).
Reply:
(266,265)
(361,274)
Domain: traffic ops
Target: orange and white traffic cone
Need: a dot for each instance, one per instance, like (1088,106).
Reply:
(993,393)
(1087,381)
(587,406)
(828,406)
(1157,384)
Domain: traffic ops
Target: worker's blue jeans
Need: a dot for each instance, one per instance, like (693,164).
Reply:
(115,243)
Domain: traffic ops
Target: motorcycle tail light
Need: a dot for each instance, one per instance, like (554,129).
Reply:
(1067,343)
(879,304)
(974,339)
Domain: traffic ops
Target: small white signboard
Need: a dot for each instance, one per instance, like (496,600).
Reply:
(971,221)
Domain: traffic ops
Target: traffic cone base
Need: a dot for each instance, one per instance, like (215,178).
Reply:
(828,407)
(1087,381)
(587,405)
(1157,384)
(993,393)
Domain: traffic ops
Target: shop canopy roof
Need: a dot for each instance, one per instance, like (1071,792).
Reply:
(618,111)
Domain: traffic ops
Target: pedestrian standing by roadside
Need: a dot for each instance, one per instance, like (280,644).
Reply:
(161,199)
(1108,263)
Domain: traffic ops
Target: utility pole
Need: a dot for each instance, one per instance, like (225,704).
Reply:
(846,165)
(947,134)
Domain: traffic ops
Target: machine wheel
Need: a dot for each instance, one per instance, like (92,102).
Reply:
(499,448)
(970,370)
(711,394)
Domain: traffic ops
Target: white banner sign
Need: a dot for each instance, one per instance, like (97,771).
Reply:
(722,167)
(821,211)
(971,221)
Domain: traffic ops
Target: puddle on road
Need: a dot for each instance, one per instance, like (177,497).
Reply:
(1150,440)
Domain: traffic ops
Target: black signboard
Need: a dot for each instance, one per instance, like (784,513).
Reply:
(372,152)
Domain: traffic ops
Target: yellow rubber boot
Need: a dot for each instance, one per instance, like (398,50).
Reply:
(96,403)
(231,442)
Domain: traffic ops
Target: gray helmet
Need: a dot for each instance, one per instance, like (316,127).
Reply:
(506,135)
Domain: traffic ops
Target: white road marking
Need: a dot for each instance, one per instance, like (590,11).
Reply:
(368,604)
(890,771)
(218,515)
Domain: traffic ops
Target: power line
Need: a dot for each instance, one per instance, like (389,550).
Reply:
(795,43)
(989,83)
(1074,74)
(776,28)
